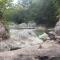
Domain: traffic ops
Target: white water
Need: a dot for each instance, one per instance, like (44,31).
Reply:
(25,37)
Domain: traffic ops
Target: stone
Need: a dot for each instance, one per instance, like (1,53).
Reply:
(57,28)
(49,53)
(44,37)
(4,46)
(52,35)
(3,32)
(2,29)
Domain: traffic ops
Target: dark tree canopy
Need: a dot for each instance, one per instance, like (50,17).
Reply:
(40,11)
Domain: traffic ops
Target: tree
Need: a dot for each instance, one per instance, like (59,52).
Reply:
(3,5)
(48,14)
(39,11)
(25,3)
(57,4)
(14,14)
(42,12)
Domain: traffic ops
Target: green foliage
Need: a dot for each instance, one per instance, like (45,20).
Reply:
(3,5)
(40,11)
(25,3)
(47,15)
(13,13)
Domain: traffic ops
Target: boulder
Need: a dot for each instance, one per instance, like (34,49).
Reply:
(44,37)
(10,44)
(52,35)
(13,44)
(49,53)
(3,32)
(57,28)
(4,46)
(57,31)
(2,29)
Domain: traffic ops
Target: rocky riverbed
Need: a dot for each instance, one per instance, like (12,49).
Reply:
(24,44)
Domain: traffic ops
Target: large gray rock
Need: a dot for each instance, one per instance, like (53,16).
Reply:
(49,53)
(57,28)
(10,44)
(4,46)
(44,37)
(13,44)
(2,29)
(3,32)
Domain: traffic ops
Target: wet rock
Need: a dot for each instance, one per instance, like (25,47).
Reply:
(44,37)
